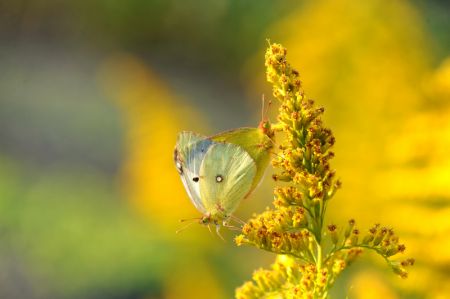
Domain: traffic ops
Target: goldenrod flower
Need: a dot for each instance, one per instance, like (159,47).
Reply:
(306,267)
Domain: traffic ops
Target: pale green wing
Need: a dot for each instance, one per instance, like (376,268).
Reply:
(226,177)
(188,155)
(186,138)
(253,140)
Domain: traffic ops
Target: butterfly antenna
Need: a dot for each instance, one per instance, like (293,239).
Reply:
(265,108)
(184,227)
(190,219)
(262,108)
(266,113)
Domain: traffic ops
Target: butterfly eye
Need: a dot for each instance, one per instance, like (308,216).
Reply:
(219,178)
(195,179)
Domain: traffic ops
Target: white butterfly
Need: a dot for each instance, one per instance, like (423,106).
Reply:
(219,171)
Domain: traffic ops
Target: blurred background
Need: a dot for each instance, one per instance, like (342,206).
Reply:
(93,94)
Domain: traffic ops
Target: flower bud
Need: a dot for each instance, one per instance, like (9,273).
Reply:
(349,228)
(332,229)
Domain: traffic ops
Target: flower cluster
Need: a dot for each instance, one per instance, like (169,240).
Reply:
(381,240)
(281,231)
(304,157)
(309,256)
(287,279)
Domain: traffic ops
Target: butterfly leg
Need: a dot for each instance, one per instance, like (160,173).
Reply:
(209,228)
(232,227)
(226,224)
(218,232)
(237,220)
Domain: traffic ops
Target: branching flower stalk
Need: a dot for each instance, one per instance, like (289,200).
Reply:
(309,255)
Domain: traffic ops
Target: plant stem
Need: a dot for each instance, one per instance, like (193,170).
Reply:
(319,257)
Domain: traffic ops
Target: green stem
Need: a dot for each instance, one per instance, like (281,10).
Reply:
(319,257)
(317,223)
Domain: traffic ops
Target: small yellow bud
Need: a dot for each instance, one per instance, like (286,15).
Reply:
(332,229)
(354,237)
(380,235)
(349,228)
(240,240)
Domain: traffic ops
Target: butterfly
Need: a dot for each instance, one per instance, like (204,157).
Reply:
(218,172)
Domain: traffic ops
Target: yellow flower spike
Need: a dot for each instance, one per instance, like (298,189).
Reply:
(305,267)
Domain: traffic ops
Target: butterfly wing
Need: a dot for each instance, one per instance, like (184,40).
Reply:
(189,154)
(226,176)
(257,144)
(186,138)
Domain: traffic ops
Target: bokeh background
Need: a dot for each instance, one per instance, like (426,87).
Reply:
(93,94)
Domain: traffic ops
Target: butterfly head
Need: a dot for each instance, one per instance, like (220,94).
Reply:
(206,220)
(214,218)
(266,128)
(265,125)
